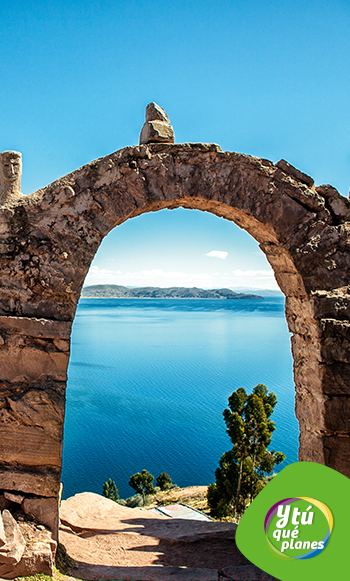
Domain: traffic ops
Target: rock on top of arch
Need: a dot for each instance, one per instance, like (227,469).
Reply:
(156,113)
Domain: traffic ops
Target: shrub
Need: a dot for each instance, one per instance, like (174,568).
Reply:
(110,490)
(164,481)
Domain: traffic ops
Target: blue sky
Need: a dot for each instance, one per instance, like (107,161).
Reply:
(267,78)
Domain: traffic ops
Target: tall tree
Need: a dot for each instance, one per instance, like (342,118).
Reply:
(240,475)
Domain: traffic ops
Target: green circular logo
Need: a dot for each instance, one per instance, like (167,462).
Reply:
(298,528)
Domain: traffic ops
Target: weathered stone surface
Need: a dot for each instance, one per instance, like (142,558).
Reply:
(32,327)
(16,498)
(157,132)
(38,555)
(333,304)
(61,345)
(2,533)
(32,364)
(293,171)
(336,203)
(37,559)
(336,379)
(337,453)
(45,511)
(36,417)
(336,341)
(337,415)
(156,113)
(44,480)
(11,552)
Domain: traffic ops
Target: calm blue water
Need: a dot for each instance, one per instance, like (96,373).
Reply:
(149,379)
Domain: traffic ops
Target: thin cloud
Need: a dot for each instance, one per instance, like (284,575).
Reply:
(260,278)
(217,254)
(154,277)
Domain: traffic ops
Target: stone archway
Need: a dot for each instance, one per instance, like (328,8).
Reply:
(48,240)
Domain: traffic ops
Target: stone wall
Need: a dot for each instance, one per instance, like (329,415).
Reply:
(47,243)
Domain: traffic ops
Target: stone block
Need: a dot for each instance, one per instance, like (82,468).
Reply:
(37,558)
(61,344)
(311,447)
(35,327)
(337,454)
(16,498)
(300,316)
(335,344)
(291,284)
(332,304)
(336,379)
(28,364)
(28,446)
(157,132)
(293,171)
(337,416)
(309,408)
(44,481)
(45,512)
(157,128)
(339,205)
(11,552)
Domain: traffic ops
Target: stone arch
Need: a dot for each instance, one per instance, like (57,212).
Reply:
(48,240)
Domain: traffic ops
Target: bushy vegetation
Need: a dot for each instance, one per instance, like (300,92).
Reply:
(110,490)
(164,481)
(142,483)
(243,470)
(135,501)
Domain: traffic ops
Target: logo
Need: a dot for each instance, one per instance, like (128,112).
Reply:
(300,514)
(298,528)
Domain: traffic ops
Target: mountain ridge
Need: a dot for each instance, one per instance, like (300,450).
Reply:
(110,291)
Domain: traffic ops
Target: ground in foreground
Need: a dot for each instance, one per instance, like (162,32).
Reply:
(109,542)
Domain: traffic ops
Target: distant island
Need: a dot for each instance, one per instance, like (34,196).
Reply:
(114,291)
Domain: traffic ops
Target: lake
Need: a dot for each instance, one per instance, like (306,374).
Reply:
(148,381)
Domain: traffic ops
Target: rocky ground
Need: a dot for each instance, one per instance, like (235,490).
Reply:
(112,542)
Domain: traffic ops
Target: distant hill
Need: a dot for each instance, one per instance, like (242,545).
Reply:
(113,291)
(263,292)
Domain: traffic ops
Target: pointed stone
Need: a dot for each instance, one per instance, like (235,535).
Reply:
(11,552)
(157,128)
(156,113)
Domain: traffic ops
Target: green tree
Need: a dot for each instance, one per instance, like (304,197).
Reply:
(164,481)
(242,471)
(142,483)
(110,490)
